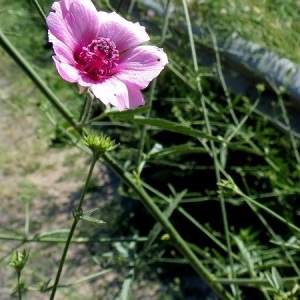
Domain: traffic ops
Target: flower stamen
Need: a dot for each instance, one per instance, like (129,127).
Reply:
(99,58)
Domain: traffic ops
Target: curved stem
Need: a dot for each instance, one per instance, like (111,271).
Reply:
(77,215)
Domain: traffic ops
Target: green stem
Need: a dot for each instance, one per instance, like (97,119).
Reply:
(152,89)
(78,240)
(119,5)
(257,281)
(27,217)
(86,110)
(267,210)
(19,285)
(212,147)
(39,10)
(271,231)
(78,214)
(288,125)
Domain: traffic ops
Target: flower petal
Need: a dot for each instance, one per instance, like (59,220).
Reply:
(115,92)
(123,33)
(135,96)
(86,81)
(140,65)
(74,22)
(110,91)
(63,53)
(66,71)
(57,27)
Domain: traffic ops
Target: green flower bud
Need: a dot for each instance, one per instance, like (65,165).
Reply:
(18,259)
(99,144)
(260,87)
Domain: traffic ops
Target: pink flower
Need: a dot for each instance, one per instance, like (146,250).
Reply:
(101,51)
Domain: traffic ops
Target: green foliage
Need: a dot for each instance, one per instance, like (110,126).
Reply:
(273,24)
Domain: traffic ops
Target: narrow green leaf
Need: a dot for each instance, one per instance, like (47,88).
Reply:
(127,114)
(86,278)
(126,287)
(246,256)
(176,150)
(277,279)
(91,219)
(157,228)
(56,232)
(174,127)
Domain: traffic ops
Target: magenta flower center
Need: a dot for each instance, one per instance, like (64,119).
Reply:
(99,58)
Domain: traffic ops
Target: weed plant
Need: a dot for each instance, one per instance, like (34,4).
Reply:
(209,184)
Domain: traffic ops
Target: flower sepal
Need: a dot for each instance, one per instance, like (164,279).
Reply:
(99,144)
(18,259)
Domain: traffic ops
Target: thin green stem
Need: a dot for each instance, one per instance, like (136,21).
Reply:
(288,125)
(86,111)
(276,238)
(267,210)
(63,258)
(152,89)
(239,125)
(271,231)
(119,5)
(77,215)
(78,240)
(39,10)
(86,278)
(263,220)
(256,281)
(27,217)
(131,7)
(212,147)
(94,160)
(221,77)
(19,285)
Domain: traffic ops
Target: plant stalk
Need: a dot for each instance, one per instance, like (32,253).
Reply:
(77,215)
(19,285)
